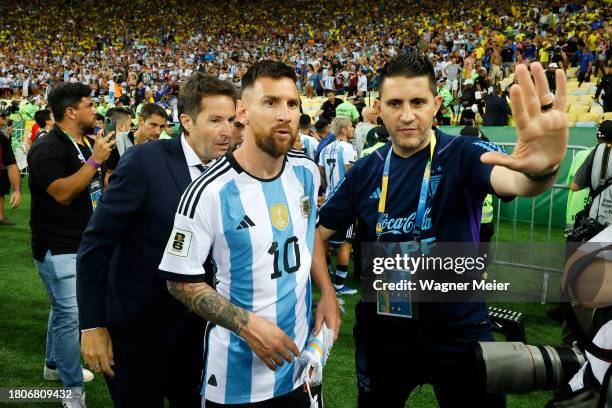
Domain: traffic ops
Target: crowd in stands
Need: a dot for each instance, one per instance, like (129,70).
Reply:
(134,55)
(131,52)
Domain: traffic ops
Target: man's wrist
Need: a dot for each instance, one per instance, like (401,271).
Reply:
(244,331)
(17,189)
(540,178)
(326,288)
(93,163)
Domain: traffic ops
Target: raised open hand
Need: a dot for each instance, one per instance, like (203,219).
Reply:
(541,123)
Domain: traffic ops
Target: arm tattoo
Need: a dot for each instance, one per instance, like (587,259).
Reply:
(208,304)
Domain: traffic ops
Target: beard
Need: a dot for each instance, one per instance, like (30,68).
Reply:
(412,144)
(88,128)
(271,145)
(409,146)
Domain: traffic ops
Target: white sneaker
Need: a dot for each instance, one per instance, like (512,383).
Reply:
(344,290)
(76,400)
(52,374)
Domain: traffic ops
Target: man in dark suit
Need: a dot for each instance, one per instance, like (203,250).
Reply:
(147,343)
(496,109)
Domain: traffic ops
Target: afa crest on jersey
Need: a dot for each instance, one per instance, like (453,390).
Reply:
(305,206)
(279,216)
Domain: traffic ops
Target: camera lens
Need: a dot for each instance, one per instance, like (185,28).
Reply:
(514,367)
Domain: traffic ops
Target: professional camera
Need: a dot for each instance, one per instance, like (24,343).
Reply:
(584,228)
(7,110)
(515,368)
(581,375)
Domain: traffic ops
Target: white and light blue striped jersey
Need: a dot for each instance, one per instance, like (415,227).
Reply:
(333,158)
(262,236)
(310,145)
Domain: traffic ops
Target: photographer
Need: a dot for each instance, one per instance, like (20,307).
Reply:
(588,280)
(595,173)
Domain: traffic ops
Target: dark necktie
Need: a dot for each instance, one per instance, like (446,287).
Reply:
(201,168)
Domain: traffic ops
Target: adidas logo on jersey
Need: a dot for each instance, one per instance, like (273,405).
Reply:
(245,223)
(376,194)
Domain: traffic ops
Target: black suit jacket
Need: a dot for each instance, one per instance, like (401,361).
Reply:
(118,281)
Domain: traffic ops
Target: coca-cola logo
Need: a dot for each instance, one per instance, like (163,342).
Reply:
(404,225)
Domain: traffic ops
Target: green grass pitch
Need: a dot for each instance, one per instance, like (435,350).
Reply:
(24,311)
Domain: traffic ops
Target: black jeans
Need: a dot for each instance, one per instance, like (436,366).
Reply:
(393,356)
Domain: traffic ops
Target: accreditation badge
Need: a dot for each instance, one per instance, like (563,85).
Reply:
(95,191)
(395,299)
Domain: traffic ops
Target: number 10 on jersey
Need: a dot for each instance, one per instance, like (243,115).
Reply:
(290,263)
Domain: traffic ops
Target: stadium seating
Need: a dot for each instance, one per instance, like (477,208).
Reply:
(588,117)
(596,108)
(579,109)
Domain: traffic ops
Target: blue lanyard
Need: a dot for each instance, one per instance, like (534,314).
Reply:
(420,215)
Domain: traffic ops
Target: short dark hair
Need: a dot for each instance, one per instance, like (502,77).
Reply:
(99,116)
(470,130)
(320,125)
(118,113)
(124,99)
(67,95)
(305,121)
(410,64)
(196,87)
(266,69)
(151,109)
(42,116)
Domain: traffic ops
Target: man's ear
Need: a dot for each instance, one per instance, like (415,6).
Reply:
(438,103)
(241,114)
(186,122)
(70,113)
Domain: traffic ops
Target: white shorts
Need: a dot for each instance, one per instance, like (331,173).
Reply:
(452,84)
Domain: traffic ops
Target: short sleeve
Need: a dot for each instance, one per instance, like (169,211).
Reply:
(476,174)
(46,164)
(189,243)
(583,174)
(321,160)
(315,144)
(338,211)
(316,180)
(350,155)
(354,113)
(8,157)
